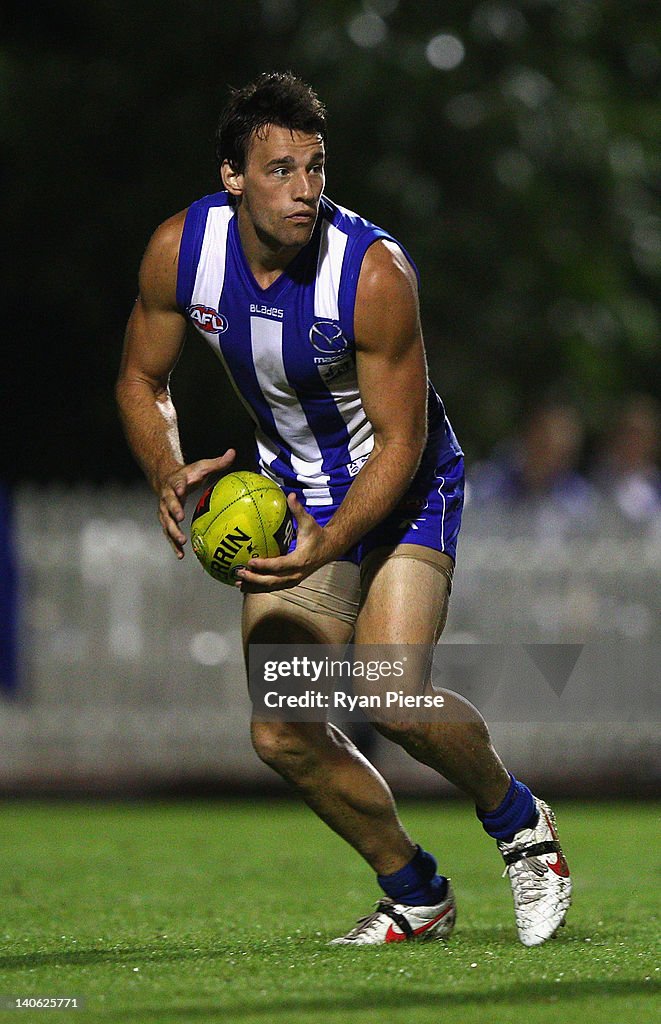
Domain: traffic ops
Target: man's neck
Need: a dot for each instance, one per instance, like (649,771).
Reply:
(266,261)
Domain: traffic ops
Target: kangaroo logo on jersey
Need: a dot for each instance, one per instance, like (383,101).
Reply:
(327,337)
(208,319)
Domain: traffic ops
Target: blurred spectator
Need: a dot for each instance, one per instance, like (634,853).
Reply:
(626,468)
(538,473)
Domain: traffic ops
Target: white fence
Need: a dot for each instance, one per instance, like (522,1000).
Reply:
(131,672)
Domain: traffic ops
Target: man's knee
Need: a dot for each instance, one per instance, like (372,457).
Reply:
(460,724)
(288,749)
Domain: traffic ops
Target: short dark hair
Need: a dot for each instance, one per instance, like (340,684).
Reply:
(275,97)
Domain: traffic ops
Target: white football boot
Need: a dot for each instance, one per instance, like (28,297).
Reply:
(539,876)
(399,922)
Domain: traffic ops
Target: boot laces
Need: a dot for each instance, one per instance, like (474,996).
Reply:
(365,923)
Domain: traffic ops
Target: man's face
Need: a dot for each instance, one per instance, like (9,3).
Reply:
(281,186)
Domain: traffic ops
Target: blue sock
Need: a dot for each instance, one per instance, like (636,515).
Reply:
(417,883)
(517,811)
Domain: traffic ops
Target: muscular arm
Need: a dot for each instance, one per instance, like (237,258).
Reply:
(392,377)
(153,343)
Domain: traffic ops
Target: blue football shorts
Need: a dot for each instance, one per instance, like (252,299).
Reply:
(429,514)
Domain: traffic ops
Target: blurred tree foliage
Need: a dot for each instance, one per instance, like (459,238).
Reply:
(511,145)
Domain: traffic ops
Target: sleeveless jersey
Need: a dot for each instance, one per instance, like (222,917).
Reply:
(289,349)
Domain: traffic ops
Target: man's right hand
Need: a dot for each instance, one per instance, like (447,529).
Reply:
(175,489)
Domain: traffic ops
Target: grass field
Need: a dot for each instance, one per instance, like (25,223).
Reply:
(220,911)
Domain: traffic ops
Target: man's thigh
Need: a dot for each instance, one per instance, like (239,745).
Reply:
(404,595)
(322,610)
(271,619)
(403,609)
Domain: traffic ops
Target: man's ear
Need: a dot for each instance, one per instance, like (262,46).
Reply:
(231,179)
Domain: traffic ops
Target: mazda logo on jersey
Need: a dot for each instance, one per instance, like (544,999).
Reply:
(208,319)
(327,337)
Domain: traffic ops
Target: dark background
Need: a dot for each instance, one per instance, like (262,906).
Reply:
(522,181)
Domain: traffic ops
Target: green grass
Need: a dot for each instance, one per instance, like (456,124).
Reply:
(209,911)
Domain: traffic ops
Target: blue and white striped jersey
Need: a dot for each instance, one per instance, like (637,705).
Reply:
(289,349)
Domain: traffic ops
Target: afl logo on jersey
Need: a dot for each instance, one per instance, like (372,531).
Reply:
(207,319)
(327,337)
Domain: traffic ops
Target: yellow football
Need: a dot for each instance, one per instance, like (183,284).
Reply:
(242,516)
